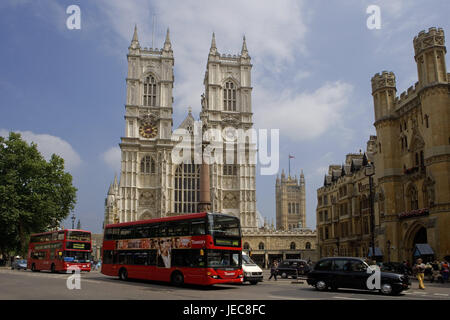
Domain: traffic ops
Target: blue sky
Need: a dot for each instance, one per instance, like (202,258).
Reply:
(312,64)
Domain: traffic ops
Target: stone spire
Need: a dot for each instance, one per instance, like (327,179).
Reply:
(213,49)
(167,44)
(111,189)
(135,41)
(244,51)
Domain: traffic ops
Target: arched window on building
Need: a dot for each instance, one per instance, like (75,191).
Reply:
(148,165)
(150,91)
(261,246)
(308,246)
(229,96)
(246,246)
(292,246)
(187,188)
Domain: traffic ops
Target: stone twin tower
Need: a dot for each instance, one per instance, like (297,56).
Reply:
(150,184)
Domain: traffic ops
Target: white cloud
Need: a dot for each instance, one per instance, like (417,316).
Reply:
(48,145)
(112,158)
(303,116)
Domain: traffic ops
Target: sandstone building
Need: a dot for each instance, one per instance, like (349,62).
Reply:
(412,158)
(290,202)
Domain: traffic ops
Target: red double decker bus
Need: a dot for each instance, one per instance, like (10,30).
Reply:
(60,250)
(199,248)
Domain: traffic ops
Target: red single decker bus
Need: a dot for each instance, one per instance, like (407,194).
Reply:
(199,248)
(60,250)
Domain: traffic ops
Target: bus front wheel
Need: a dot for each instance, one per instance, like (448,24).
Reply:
(177,278)
(123,274)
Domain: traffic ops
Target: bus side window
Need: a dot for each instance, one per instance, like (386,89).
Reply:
(125,233)
(162,231)
(153,231)
(151,258)
(115,233)
(198,227)
(171,229)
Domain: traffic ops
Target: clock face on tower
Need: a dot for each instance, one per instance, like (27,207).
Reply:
(148,130)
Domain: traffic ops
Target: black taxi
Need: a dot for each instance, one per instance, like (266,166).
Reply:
(354,273)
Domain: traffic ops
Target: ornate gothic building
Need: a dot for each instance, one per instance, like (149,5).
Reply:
(150,184)
(411,154)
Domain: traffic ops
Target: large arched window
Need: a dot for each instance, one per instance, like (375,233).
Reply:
(261,246)
(150,91)
(292,246)
(229,96)
(246,246)
(308,246)
(187,188)
(148,165)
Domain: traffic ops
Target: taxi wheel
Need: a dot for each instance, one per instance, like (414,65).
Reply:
(386,289)
(321,285)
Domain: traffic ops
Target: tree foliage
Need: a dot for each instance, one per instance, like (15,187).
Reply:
(35,194)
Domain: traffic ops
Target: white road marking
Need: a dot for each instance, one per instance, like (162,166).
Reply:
(347,298)
(441,294)
(420,292)
(290,298)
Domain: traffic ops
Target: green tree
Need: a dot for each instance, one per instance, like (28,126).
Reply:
(35,194)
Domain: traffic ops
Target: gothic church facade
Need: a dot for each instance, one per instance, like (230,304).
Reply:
(151,185)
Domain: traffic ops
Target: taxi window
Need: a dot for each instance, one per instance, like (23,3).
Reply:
(324,265)
(338,265)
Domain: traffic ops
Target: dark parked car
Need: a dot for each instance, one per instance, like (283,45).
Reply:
(292,267)
(19,264)
(353,273)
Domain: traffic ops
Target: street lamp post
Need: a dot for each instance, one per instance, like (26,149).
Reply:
(369,172)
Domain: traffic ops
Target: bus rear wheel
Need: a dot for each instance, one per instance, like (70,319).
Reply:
(33,267)
(177,278)
(123,274)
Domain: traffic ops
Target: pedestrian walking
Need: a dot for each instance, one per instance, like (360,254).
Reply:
(420,271)
(445,271)
(428,271)
(273,270)
(436,276)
